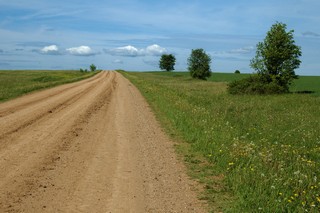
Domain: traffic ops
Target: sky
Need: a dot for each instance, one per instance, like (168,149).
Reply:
(132,35)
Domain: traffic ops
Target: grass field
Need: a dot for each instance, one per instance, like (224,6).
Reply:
(252,153)
(17,83)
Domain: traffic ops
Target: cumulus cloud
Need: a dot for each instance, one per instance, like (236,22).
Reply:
(312,34)
(131,51)
(80,51)
(155,50)
(50,50)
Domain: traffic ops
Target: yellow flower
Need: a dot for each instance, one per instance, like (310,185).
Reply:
(318,199)
(289,200)
(231,163)
(280,193)
(296,195)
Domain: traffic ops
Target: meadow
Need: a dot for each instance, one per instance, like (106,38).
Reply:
(17,83)
(251,153)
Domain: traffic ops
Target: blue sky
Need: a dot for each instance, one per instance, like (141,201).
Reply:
(132,35)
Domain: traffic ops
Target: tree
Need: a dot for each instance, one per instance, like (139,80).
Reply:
(93,68)
(199,64)
(277,56)
(167,62)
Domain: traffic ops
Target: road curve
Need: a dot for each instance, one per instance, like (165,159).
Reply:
(89,146)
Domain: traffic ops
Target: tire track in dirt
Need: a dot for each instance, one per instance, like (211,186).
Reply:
(21,112)
(93,147)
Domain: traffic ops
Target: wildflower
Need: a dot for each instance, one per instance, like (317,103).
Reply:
(280,194)
(231,163)
(303,203)
(289,201)
(296,195)
(318,199)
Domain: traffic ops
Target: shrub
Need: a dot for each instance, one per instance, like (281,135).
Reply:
(256,85)
(237,72)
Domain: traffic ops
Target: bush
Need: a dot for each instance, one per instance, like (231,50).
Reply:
(237,72)
(256,85)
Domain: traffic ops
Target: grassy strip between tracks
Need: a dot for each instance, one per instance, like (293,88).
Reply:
(251,153)
(17,83)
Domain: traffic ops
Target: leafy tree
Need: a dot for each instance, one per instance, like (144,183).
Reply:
(199,64)
(277,56)
(93,68)
(167,62)
(237,72)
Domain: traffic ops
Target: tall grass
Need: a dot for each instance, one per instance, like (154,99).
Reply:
(252,153)
(16,83)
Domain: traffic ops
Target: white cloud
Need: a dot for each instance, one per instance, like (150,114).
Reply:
(131,51)
(155,50)
(50,50)
(80,51)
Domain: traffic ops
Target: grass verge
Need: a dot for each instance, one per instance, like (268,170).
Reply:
(251,153)
(17,83)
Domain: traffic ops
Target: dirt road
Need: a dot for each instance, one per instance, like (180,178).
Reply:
(89,146)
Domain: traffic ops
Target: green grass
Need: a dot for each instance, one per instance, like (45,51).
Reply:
(251,153)
(17,83)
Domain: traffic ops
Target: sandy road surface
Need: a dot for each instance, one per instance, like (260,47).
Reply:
(90,146)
